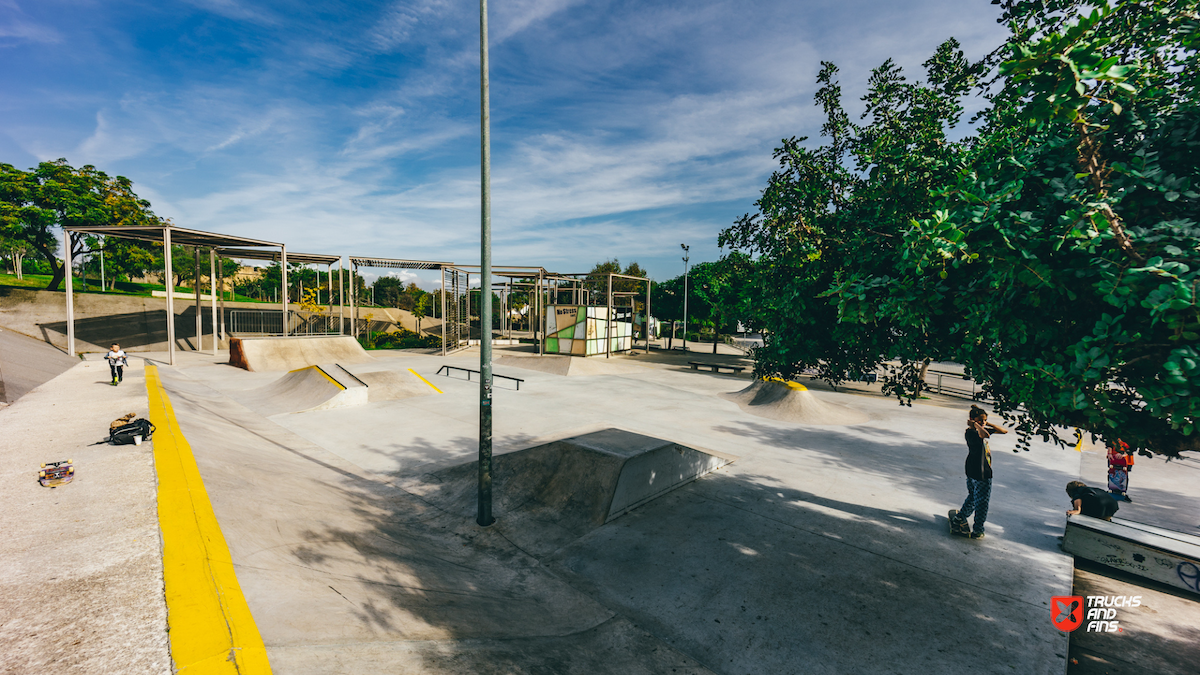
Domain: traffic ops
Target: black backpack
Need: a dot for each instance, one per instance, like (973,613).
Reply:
(123,435)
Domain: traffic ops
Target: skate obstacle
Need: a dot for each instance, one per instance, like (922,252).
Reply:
(1155,553)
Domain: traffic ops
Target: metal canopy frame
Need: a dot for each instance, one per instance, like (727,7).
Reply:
(302,259)
(166,236)
(512,272)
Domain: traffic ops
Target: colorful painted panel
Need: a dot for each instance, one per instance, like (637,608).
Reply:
(581,331)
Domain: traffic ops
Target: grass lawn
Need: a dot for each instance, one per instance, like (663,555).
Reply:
(40,281)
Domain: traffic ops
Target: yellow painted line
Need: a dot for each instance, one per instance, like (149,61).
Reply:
(1079,445)
(791,385)
(424,380)
(337,384)
(321,371)
(211,628)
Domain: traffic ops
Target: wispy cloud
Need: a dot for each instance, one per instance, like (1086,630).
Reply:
(619,126)
(16,27)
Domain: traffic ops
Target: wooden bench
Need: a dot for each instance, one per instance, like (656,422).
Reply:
(715,367)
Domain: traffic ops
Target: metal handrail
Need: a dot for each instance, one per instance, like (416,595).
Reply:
(469,371)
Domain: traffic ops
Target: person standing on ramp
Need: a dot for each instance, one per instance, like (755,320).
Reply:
(116,363)
(979,474)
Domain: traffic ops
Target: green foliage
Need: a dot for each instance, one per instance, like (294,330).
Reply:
(401,338)
(1054,253)
(34,203)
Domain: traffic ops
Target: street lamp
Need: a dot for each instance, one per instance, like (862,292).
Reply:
(686,249)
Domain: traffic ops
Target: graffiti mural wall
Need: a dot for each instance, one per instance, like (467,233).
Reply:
(582,331)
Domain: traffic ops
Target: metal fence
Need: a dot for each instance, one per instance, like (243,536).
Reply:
(270,322)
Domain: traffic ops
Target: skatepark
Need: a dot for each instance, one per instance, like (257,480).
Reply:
(649,519)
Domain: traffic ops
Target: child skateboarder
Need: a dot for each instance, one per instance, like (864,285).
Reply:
(979,474)
(116,363)
(1091,501)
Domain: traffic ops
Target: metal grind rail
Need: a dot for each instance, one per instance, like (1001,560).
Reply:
(469,371)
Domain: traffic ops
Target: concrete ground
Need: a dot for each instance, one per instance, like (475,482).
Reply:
(80,565)
(26,363)
(823,549)
(1161,635)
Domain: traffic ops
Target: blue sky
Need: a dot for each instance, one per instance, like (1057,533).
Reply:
(619,128)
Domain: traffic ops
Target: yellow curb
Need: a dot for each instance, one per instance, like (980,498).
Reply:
(790,385)
(424,380)
(211,628)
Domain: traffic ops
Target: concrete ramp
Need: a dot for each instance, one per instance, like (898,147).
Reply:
(309,388)
(1166,556)
(389,385)
(574,366)
(291,353)
(792,402)
(546,496)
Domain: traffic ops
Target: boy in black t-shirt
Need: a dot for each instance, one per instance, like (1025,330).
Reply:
(1090,501)
(979,473)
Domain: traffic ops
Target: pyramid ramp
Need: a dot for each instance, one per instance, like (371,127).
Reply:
(305,389)
(546,496)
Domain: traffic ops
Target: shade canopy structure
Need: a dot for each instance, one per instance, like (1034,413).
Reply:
(167,236)
(300,259)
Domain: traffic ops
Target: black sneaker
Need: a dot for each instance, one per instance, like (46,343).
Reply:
(977,535)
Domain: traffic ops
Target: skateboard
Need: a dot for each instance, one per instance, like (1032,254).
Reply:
(960,531)
(53,474)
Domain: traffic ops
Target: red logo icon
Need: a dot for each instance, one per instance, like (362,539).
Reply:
(1066,611)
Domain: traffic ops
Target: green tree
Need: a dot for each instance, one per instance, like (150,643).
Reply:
(422,309)
(1054,252)
(33,204)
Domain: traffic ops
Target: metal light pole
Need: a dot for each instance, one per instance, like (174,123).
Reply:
(484,515)
(686,249)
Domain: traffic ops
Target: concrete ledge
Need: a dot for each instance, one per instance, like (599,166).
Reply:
(1162,555)
(290,353)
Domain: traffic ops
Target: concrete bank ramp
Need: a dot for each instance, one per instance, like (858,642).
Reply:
(1156,553)
(792,402)
(290,353)
(390,385)
(547,496)
(570,365)
(309,388)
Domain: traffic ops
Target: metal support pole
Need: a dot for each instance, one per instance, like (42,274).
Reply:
(103,283)
(609,330)
(649,288)
(199,308)
(443,311)
(212,281)
(284,290)
(341,297)
(70,292)
(170,283)
(221,286)
(353,314)
(685,295)
(329,294)
(484,515)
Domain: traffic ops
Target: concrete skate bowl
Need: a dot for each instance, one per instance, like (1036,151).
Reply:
(792,402)
(571,366)
(290,353)
(549,495)
(304,389)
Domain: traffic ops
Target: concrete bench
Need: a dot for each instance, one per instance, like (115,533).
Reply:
(715,367)
(1166,556)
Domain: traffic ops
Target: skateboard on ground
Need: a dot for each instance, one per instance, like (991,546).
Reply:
(955,529)
(53,474)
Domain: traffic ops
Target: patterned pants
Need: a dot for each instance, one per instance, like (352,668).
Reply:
(979,493)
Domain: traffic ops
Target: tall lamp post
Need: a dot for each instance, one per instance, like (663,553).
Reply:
(686,250)
(484,513)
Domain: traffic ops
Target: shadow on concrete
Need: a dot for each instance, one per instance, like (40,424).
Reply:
(134,329)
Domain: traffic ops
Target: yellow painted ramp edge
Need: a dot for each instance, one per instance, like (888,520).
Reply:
(211,628)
